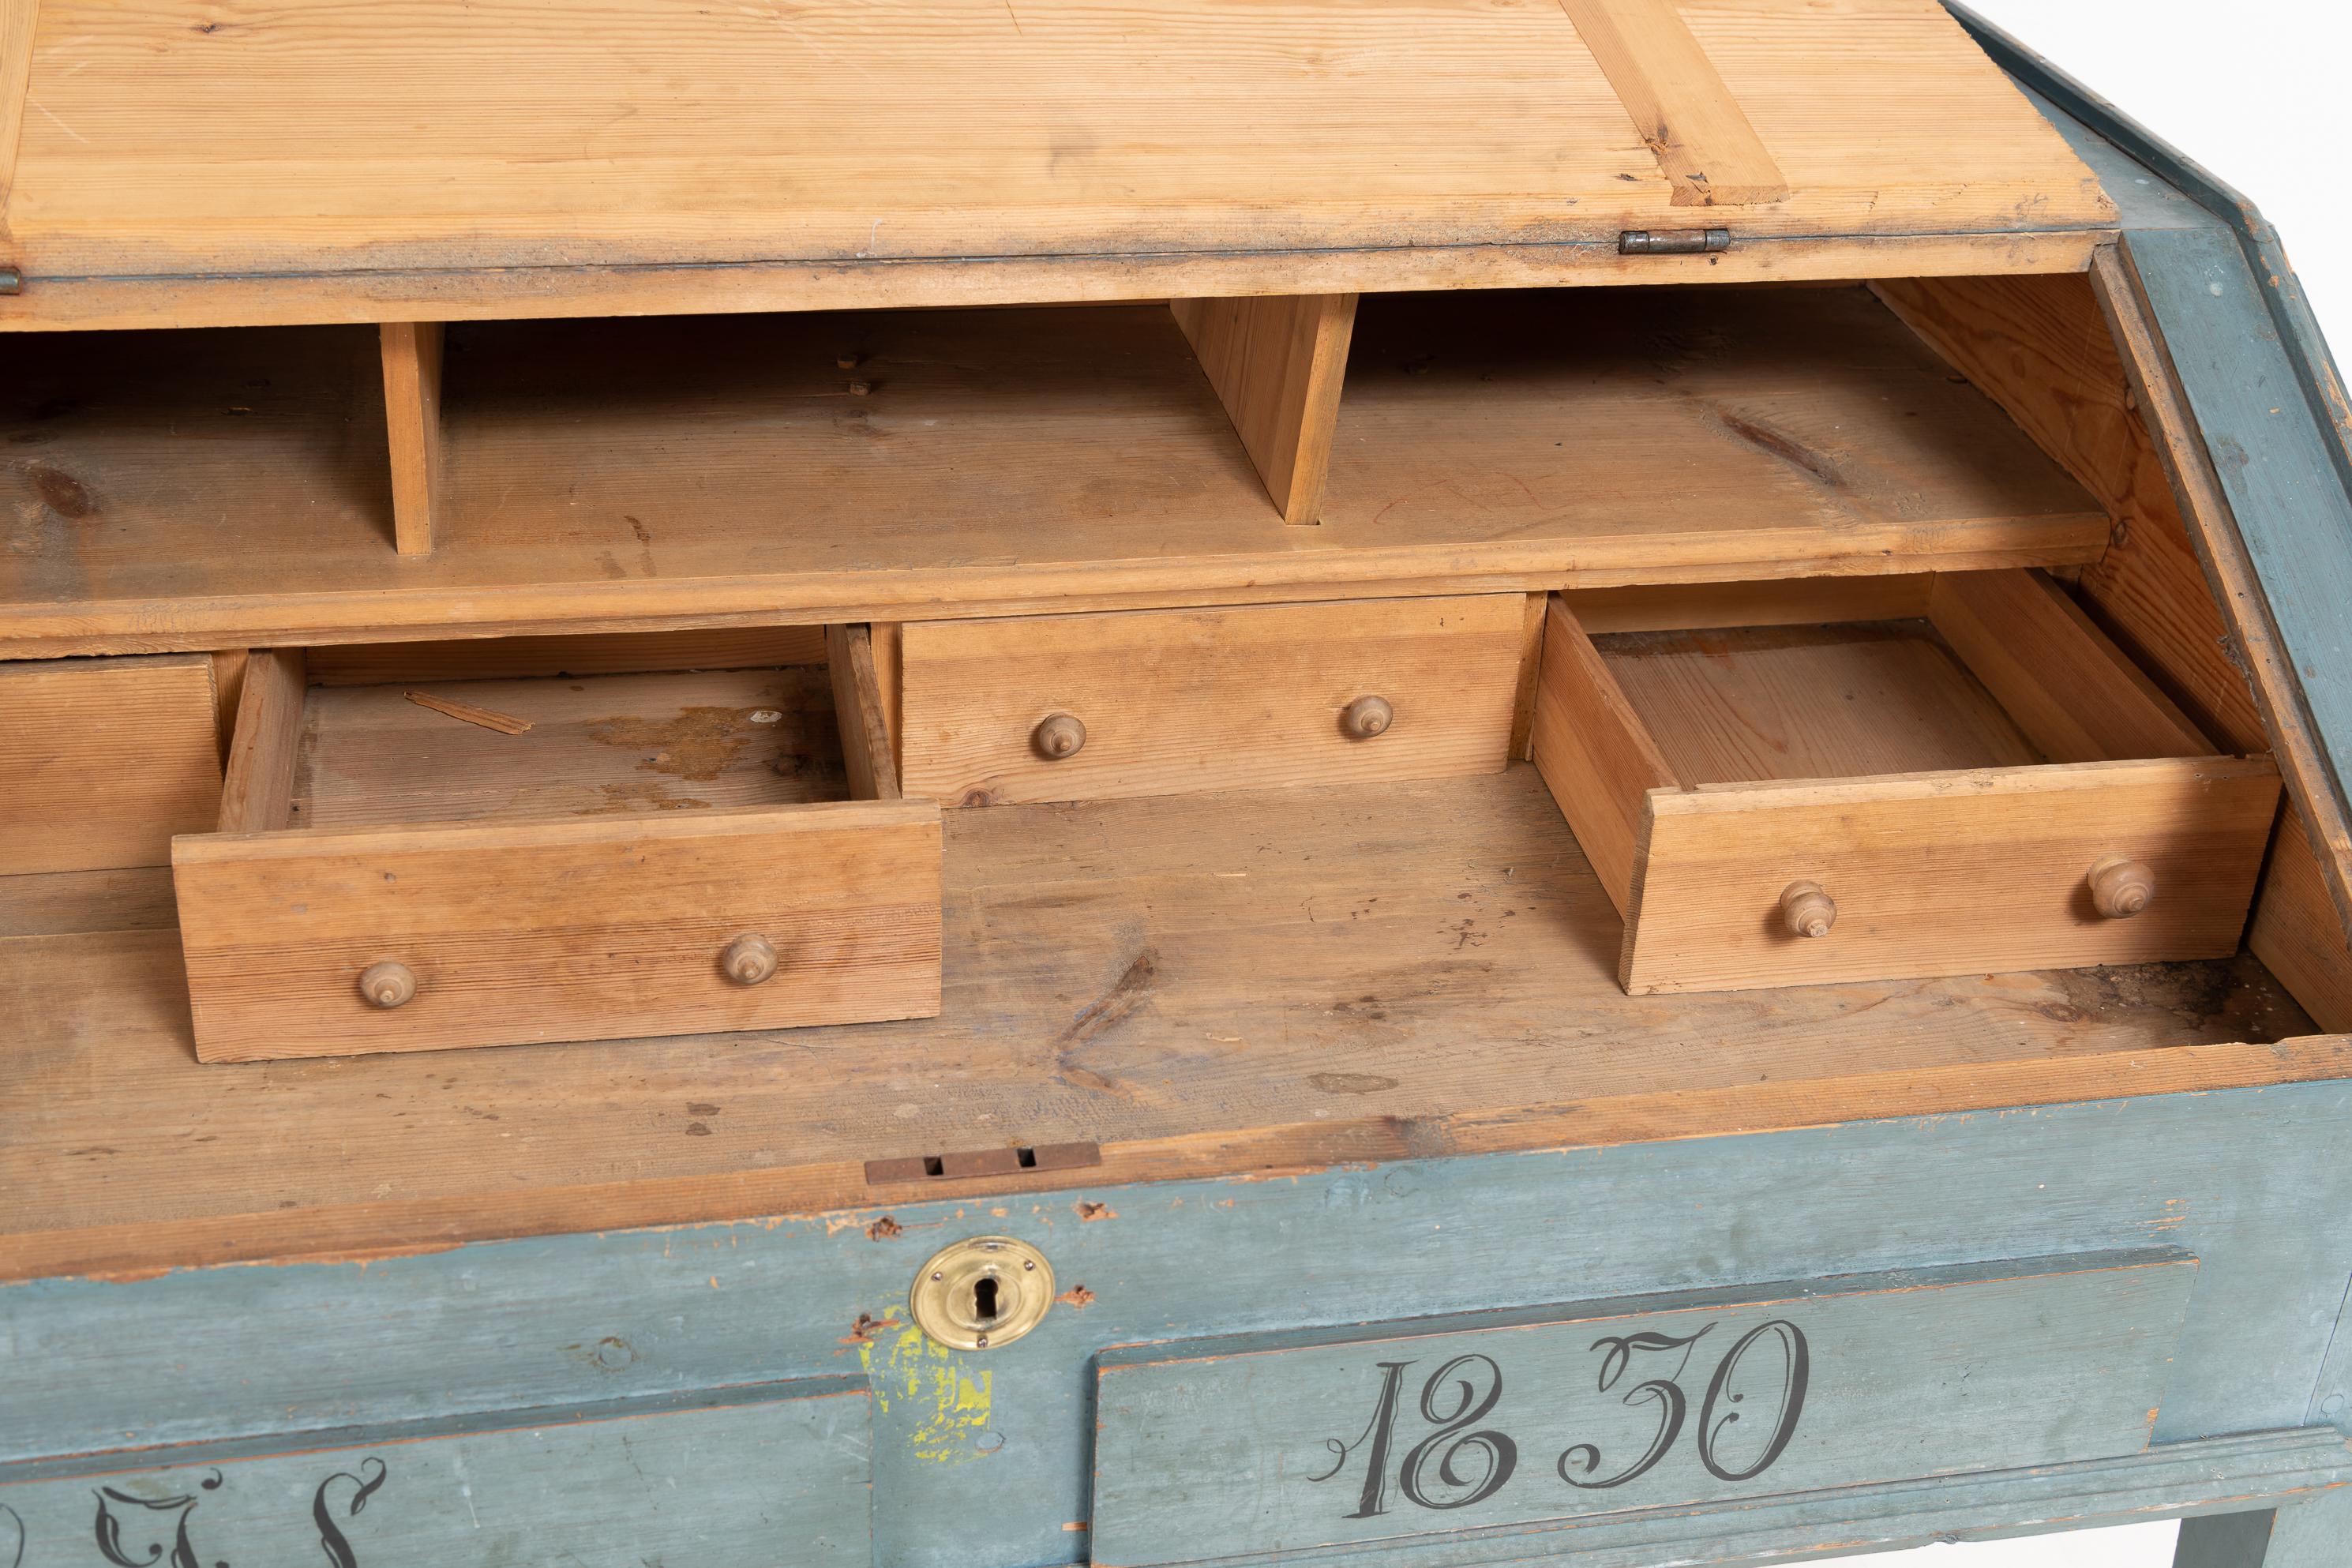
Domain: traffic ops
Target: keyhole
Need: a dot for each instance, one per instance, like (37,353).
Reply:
(983,1300)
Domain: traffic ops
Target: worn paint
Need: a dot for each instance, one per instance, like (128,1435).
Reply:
(936,1398)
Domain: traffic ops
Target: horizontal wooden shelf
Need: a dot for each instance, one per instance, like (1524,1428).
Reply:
(1215,983)
(206,489)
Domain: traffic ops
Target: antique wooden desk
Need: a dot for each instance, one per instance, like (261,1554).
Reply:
(997,784)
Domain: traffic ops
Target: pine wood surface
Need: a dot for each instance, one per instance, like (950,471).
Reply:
(434,136)
(1811,702)
(557,929)
(101,763)
(413,363)
(1226,698)
(2040,348)
(1205,983)
(1967,870)
(869,753)
(226,489)
(1277,364)
(603,745)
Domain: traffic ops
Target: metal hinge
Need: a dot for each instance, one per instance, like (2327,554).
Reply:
(1673,241)
(11,280)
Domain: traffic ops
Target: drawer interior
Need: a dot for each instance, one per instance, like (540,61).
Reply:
(1967,787)
(597,745)
(1727,705)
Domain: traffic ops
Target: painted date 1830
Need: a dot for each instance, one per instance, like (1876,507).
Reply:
(1457,1462)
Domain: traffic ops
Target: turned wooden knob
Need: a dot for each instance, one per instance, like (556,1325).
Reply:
(1367,717)
(1808,910)
(2121,885)
(749,959)
(387,984)
(1058,735)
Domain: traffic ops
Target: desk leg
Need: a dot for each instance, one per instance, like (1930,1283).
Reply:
(2314,1534)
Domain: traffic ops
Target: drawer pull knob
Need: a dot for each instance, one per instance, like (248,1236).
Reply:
(749,959)
(1809,910)
(1058,735)
(1367,717)
(2121,887)
(387,984)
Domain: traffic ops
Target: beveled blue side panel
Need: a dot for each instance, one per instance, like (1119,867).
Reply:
(983,1458)
(749,1479)
(1440,1428)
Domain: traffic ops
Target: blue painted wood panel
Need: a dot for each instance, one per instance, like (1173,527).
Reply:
(2276,464)
(1216,1449)
(984,1457)
(749,1479)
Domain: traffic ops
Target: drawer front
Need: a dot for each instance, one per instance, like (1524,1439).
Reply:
(779,1474)
(102,760)
(1944,874)
(1225,699)
(560,929)
(1249,1450)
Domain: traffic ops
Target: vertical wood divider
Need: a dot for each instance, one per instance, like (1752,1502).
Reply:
(1277,362)
(867,751)
(257,787)
(412,408)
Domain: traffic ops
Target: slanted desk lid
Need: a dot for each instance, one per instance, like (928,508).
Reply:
(225,160)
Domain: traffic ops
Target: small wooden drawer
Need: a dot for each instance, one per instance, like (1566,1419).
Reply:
(758,1475)
(102,760)
(1083,707)
(1986,783)
(546,859)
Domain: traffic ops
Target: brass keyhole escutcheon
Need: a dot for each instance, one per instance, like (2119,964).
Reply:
(982,1293)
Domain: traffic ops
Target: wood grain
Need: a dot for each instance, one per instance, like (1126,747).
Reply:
(1944,873)
(102,760)
(2074,696)
(1192,700)
(258,785)
(621,473)
(558,930)
(1692,606)
(2043,350)
(1278,363)
(600,746)
(2296,930)
(17,18)
(866,751)
(625,653)
(472,713)
(91,304)
(1679,105)
(413,360)
(1167,978)
(1594,752)
(515,147)
(1811,702)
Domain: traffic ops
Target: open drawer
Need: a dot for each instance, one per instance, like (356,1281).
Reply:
(408,861)
(1972,778)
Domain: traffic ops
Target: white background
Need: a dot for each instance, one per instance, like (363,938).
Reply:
(2258,92)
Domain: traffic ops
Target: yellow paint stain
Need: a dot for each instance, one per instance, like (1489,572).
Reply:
(948,1401)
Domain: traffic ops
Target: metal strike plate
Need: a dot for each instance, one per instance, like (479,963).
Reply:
(982,1292)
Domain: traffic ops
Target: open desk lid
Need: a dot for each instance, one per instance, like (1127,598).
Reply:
(205,161)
